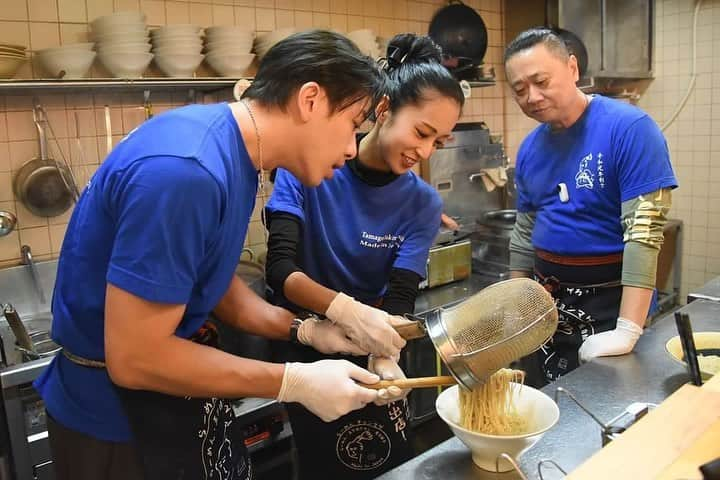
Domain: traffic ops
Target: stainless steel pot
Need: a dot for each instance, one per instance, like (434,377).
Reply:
(491,242)
(499,221)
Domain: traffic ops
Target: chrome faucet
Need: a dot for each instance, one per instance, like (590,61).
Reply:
(27,259)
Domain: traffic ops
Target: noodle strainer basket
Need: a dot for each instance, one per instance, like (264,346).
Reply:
(489,330)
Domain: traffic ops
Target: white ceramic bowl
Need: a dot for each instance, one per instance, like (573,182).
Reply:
(126,65)
(702,340)
(236,44)
(122,38)
(540,411)
(121,28)
(7,47)
(176,29)
(179,37)
(118,18)
(178,65)
(184,43)
(229,65)
(9,65)
(229,51)
(121,50)
(133,47)
(86,46)
(229,38)
(227,29)
(177,50)
(75,63)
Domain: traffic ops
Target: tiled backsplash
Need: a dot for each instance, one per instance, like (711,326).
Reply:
(45,23)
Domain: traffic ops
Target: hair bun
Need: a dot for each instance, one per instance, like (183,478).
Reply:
(411,48)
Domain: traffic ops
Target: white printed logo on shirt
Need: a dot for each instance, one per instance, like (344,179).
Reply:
(388,240)
(585,178)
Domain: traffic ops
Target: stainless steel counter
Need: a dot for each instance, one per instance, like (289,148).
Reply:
(709,291)
(606,386)
(452,293)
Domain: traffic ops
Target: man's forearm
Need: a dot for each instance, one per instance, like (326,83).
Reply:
(179,367)
(243,309)
(142,351)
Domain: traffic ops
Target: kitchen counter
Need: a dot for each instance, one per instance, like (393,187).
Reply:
(605,386)
(452,293)
(709,291)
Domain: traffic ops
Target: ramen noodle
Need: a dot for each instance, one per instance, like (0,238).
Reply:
(490,408)
(709,363)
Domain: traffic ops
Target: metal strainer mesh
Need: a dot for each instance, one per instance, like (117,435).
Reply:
(499,325)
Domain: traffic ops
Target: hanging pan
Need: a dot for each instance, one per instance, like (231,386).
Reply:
(44,186)
(463,37)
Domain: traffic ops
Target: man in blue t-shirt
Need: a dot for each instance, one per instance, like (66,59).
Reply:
(150,251)
(594,183)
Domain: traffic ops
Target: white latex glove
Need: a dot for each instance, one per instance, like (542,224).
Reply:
(613,342)
(327,388)
(387,369)
(326,337)
(368,327)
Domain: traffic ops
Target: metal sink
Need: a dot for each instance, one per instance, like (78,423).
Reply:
(38,327)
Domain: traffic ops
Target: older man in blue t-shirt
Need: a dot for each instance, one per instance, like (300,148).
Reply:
(594,182)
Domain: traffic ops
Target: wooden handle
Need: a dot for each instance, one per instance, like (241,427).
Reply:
(420,382)
(410,331)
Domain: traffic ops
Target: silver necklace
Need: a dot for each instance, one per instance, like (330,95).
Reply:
(261,173)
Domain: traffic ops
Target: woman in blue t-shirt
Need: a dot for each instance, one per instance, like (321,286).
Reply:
(364,236)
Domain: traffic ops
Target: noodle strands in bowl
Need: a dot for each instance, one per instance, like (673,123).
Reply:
(501,416)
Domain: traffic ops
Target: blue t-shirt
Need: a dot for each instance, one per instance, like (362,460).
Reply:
(355,233)
(613,153)
(164,218)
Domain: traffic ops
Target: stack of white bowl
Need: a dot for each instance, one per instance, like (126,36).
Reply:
(266,41)
(366,40)
(177,49)
(11,57)
(227,50)
(72,60)
(122,43)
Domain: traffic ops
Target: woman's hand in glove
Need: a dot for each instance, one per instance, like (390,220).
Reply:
(369,328)
(326,337)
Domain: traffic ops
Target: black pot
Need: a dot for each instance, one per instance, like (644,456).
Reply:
(462,34)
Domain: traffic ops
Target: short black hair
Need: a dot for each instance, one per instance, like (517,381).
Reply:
(414,70)
(534,36)
(328,58)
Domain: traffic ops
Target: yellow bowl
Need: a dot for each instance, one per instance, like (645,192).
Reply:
(703,340)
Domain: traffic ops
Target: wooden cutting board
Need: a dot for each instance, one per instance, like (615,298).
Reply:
(713,384)
(673,439)
(705,449)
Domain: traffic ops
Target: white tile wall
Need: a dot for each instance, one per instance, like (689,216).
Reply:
(43,23)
